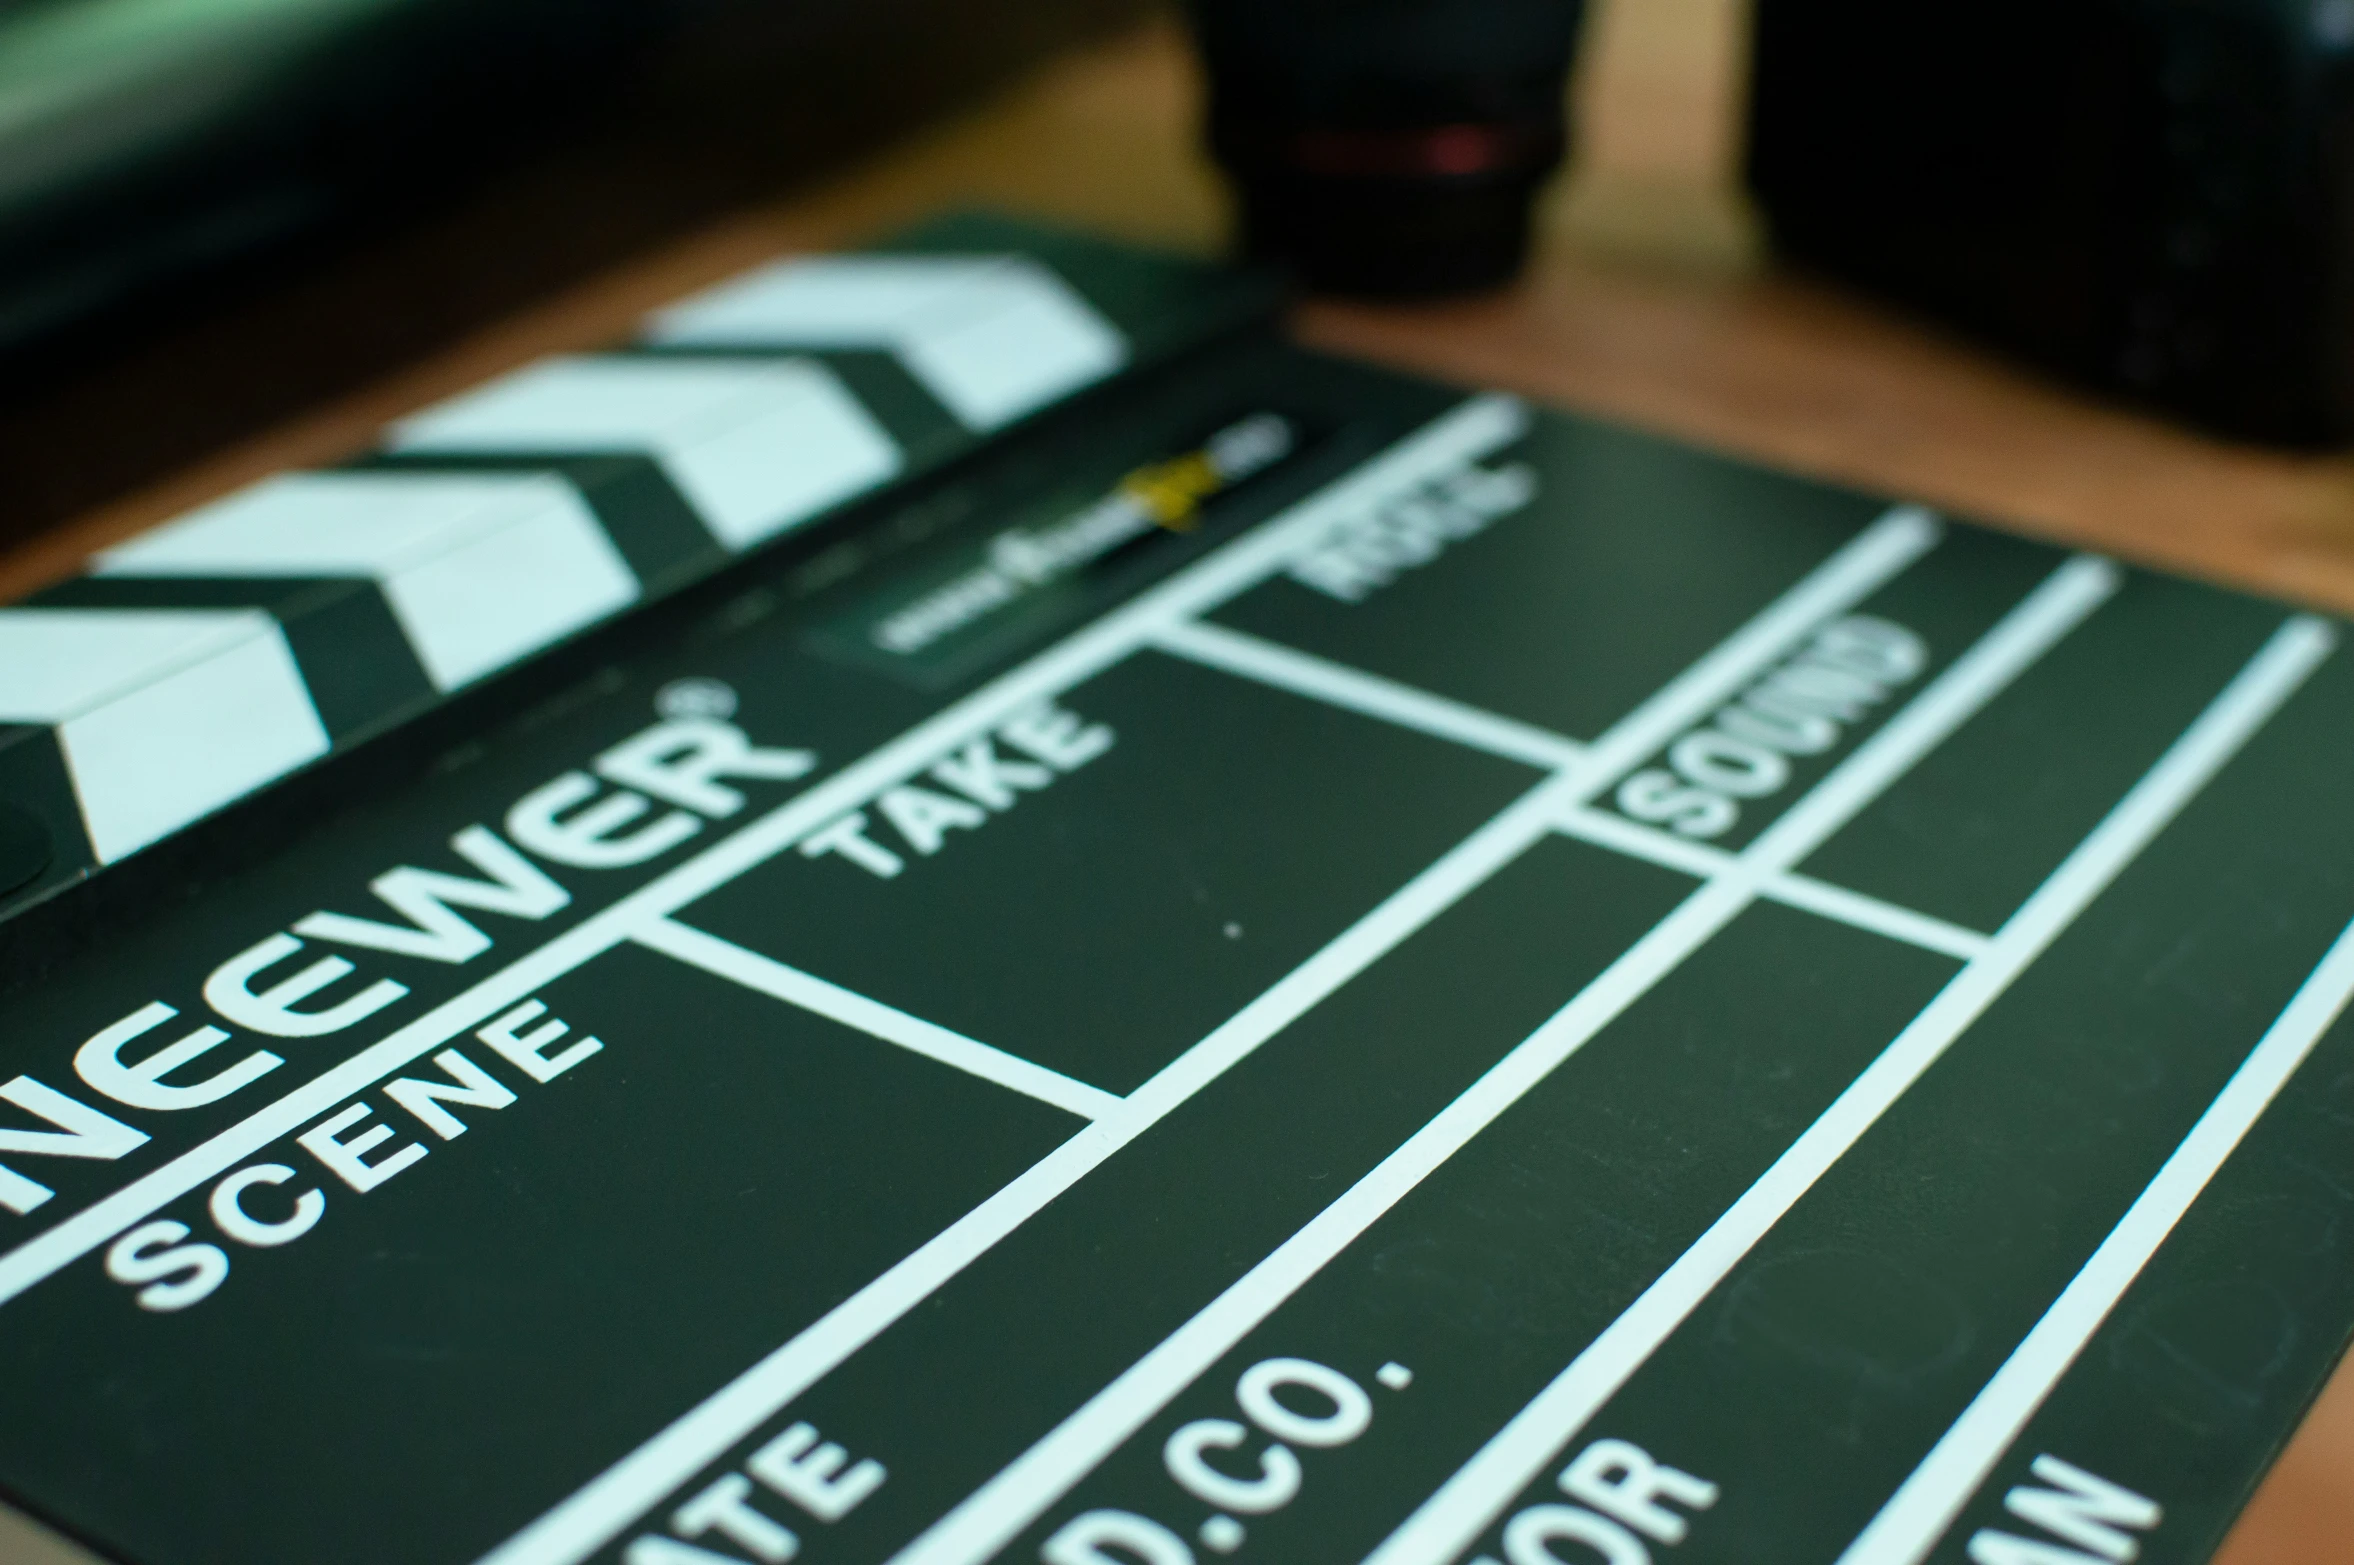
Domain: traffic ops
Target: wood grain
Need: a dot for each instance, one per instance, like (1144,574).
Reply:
(1649,303)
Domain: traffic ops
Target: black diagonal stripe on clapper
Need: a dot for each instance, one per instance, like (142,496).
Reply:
(661,539)
(923,426)
(37,796)
(355,660)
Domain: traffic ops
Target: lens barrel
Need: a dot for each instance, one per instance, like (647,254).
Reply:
(1388,147)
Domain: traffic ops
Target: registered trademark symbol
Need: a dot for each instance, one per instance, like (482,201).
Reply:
(696,698)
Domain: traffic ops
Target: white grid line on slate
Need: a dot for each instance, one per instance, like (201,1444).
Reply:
(1791,889)
(764,975)
(1337,684)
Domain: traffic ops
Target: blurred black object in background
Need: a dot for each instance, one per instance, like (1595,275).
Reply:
(2152,196)
(1388,147)
(142,141)
(218,214)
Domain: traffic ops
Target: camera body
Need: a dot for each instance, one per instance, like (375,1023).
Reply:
(2152,196)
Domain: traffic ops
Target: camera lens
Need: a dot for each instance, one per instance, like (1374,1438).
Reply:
(1388,147)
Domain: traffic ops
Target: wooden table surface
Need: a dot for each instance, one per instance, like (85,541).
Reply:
(1649,302)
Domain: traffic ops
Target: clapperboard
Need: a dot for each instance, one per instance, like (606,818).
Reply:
(960,908)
